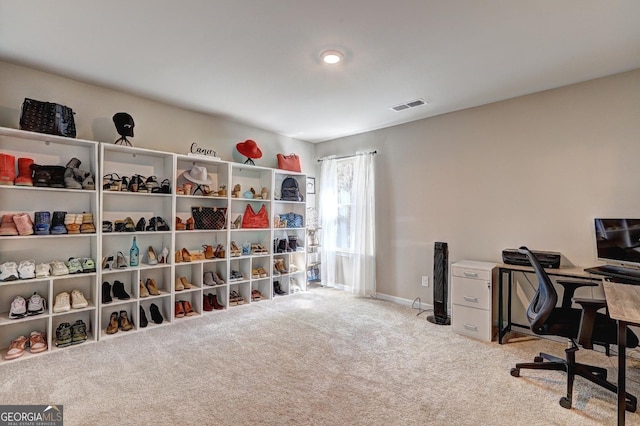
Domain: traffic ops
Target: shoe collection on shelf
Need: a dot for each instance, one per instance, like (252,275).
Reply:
(232,255)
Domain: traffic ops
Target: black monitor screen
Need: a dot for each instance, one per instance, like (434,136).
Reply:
(618,240)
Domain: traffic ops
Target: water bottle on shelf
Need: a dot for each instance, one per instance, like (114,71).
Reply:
(134,254)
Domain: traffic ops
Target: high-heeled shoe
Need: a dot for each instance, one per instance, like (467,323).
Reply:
(163,255)
(143,292)
(141,225)
(186,256)
(220,252)
(161,225)
(208,251)
(107,262)
(180,225)
(178,256)
(152,225)
(121,263)
(235,251)
(190,224)
(151,255)
(151,286)
(237,224)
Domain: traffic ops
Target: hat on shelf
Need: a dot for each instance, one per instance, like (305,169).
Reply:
(197,174)
(249,148)
(124,124)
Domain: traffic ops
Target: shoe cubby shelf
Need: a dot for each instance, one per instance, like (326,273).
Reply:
(189,181)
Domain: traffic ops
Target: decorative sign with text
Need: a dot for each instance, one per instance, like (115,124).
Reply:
(198,151)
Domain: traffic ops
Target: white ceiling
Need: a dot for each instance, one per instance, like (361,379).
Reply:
(257,61)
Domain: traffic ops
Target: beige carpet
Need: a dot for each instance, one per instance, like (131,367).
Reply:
(322,357)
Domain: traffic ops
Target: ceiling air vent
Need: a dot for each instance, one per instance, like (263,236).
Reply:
(410,104)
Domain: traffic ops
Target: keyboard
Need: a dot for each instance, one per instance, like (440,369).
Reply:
(615,271)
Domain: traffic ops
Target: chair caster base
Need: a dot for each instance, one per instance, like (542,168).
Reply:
(565,402)
(538,359)
(515,372)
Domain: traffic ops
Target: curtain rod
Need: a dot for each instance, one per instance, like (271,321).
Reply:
(339,157)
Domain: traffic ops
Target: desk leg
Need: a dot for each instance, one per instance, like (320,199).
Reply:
(500,306)
(622,345)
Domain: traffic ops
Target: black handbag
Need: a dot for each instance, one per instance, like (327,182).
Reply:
(47,117)
(209,217)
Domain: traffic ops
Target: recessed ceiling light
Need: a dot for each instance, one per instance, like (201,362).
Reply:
(331,56)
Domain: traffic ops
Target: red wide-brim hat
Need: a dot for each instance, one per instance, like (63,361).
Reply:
(249,148)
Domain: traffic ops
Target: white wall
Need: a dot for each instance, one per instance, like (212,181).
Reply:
(532,171)
(157,125)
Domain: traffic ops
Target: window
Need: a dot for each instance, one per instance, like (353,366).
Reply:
(345,204)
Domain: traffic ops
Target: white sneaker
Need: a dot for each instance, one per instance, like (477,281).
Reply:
(18,308)
(36,304)
(77,300)
(27,269)
(58,268)
(62,302)
(43,270)
(8,271)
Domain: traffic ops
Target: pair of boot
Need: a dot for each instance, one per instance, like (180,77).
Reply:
(119,322)
(288,244)
(76,178)
(16,224)
(277,289)
(210,302)
(156,316)
(8,170)
(118,291)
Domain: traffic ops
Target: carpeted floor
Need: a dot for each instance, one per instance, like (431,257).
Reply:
(321,357)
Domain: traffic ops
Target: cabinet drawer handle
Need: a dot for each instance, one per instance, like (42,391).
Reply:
(471,274)
(471,299)
(471,327)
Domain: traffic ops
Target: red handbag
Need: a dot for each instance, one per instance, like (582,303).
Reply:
(289,162)
(252,219)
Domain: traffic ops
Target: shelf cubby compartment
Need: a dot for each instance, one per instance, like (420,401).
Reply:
(128,306)
(164,308)
(216,170)
(23,328)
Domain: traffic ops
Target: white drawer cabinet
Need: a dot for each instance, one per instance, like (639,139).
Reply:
(473,298)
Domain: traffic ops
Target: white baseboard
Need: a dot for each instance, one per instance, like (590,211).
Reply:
(402,301)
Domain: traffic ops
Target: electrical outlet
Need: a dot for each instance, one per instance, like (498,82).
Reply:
(425,281)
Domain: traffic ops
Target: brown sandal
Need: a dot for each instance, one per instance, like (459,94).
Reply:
(17,347)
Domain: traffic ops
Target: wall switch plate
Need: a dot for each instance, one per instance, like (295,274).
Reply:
(425,281)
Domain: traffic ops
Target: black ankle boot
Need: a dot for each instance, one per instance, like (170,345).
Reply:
(106,292)
(143,318)
(119,292)
(277,289)
(156,316)
(293,243)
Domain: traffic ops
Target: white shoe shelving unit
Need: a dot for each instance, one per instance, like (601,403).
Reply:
(48,150)
(120,205)
(107,205)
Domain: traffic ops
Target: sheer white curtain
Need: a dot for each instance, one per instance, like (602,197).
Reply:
(363,227)
(347,205)
(328,211)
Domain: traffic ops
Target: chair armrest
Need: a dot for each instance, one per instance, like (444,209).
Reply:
(588,319)
(570,289)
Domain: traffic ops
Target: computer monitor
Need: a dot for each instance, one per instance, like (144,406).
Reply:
(618,241)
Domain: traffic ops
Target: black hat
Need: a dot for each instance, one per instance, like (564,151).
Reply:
(124,123)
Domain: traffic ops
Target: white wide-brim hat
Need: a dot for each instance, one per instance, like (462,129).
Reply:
(197,174)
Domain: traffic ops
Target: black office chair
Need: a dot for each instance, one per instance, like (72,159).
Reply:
(585,325)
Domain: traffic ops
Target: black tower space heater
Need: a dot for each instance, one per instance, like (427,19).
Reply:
(440,281)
